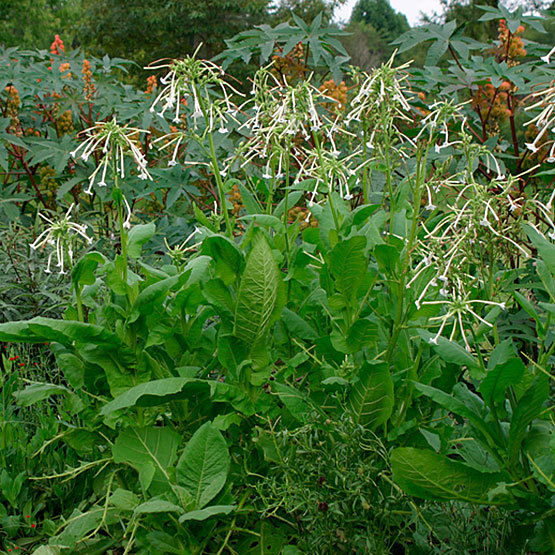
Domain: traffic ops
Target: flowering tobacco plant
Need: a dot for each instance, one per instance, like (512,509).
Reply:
(188,79)
(421,284)
(61,234)
(544,100)
(112,143)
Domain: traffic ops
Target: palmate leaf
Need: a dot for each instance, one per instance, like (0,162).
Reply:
(258,293)
(371,399)
(150,451)
(55,151)
(203,467)
(425,474)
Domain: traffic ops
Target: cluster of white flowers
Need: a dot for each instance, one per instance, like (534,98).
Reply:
(60,234)
(326,168)
(188,79)
(382,93)
(544,121)
(114,142)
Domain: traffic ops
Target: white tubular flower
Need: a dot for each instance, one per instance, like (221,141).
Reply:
(441,113)
(326,168)
(383,87)
(189,78)
(60,235)
(545,120)
(547,57)
(457,308)
(113,142)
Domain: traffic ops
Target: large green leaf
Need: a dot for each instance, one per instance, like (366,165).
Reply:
(425,474)
(227,257)
(539,447)
(258,293)
(207,512)
(347,264)
(157,392)
(150,299)
(526,411)
(150,451)
(501,377)
(37,392)
(546,249)
(83,271)
(457,406)
(158,506)
(295,401)
(79,524)
(451,352)
(40,330)
(138,236)
(160,392)
(203,467)
(371,399)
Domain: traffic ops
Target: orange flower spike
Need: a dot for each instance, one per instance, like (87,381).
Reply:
(89,89)
(151,84)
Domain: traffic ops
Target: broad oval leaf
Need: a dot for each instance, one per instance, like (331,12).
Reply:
(425,474)
(347,264)
(138,236)
(150,451)
(258,293)
(371,399)
(203,467)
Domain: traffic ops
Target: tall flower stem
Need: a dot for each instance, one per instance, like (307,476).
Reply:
(326,181)
(215,166)
(365,184)
(420,176)
(117,195)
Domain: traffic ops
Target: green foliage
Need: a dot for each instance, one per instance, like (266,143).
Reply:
(347,351)
(31,24)
(148,31)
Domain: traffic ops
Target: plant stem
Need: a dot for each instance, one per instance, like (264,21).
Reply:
(421,159)
(215,166)
(326,181)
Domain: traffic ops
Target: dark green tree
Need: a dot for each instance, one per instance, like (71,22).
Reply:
(382,17)
(307,10)
(372,27)
(33,23)
(147,30)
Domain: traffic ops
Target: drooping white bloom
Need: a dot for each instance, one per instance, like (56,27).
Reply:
(60,235)
(113,142)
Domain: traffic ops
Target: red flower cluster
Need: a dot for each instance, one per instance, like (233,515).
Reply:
(151,84)
(57,47)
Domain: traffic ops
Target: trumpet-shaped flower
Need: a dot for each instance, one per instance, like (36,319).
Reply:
(113,142)
(60,235)
(545,120)
(188,80)
(457,310)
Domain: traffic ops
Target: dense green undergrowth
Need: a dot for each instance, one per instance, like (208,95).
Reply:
(312,319)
